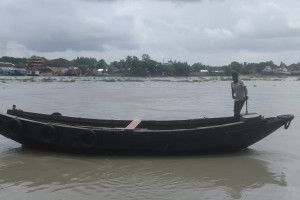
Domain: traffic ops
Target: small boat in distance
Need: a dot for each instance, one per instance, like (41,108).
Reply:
(56,132)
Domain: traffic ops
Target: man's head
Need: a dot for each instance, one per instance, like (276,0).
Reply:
(235,77)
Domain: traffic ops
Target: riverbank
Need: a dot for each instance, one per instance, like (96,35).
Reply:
(68,79)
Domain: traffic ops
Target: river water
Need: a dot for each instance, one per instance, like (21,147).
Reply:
(268,169)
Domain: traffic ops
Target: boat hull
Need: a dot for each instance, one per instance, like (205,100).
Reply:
(79,135)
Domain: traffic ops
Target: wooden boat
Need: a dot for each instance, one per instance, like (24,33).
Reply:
(95,136)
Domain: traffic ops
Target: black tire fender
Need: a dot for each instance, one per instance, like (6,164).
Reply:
(15,127)
(49,134)
(285,116)
(87,139)
(55,116)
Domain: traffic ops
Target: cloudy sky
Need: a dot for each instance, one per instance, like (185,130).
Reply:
(213,32)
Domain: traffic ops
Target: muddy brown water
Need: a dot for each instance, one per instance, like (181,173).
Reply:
(268,169)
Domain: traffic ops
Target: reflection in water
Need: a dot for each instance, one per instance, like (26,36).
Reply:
(134,177)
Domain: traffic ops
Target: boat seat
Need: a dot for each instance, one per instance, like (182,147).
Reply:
(133,124)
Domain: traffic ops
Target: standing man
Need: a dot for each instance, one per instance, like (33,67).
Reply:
(239,94)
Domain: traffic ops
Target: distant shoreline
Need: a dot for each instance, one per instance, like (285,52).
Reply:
(190,79)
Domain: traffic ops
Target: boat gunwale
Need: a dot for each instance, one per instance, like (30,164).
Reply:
(113,123)
(25,114)
(144,130)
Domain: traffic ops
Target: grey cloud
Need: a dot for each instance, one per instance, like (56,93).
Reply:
(63,44)
(84,44)
(181,27)
(58,29)
(151,0)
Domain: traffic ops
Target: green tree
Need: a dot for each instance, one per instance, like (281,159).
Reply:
(151,66)
(196,67)
(128,63)
(38,57)
(181,69)
(251,67)
(101,64)
(137,68)
(85,64)
(168,69)
(59,62)
(294,67)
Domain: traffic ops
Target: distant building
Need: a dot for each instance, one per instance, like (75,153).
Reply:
(202,72)
(34,63)
(217,73)
(267,70)
(8,69)
(277,71)
(70,71)
(6,64)
(283,71)
(5,71)
(295,73)
(73,71)
(35,66)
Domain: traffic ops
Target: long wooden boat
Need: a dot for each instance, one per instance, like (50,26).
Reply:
(97,136)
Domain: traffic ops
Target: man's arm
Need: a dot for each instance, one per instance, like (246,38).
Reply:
(232,92)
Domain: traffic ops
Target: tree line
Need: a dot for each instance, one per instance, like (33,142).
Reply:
(133,66)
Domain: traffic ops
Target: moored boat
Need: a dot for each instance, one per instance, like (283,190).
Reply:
(56,132)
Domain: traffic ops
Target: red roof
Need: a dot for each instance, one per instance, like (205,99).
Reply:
(6,64)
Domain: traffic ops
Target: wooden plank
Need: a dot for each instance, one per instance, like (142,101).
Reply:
(251,115)
(133,124)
